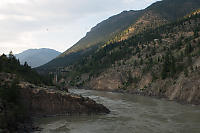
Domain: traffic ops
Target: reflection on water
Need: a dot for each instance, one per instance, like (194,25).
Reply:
(129,114)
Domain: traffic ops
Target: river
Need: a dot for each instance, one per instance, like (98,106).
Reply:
(129,114)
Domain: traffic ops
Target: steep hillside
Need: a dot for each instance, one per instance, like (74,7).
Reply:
(37,57)
(98,35)
(158,62)
(123,26)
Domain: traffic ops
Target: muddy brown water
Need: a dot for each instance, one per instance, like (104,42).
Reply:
(129,114)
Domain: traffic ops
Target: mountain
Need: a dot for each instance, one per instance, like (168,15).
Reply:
(37,57)
(103,31)
(123,26)
(161,62)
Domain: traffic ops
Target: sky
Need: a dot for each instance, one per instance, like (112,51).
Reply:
(55,24)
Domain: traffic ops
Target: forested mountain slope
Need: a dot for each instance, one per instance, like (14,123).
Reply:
(123,26)
(164,61)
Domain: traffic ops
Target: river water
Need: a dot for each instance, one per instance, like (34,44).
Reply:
(129,114)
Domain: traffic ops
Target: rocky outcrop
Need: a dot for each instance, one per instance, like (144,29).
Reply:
(47,100)
(44,101)
(38,101)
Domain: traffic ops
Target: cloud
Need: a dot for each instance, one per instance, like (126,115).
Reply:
(56,24)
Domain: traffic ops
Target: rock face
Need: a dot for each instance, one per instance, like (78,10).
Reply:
(43,101)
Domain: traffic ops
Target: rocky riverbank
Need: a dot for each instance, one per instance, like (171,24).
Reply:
(47,102)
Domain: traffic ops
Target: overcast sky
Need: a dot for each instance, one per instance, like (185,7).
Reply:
(56,24)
